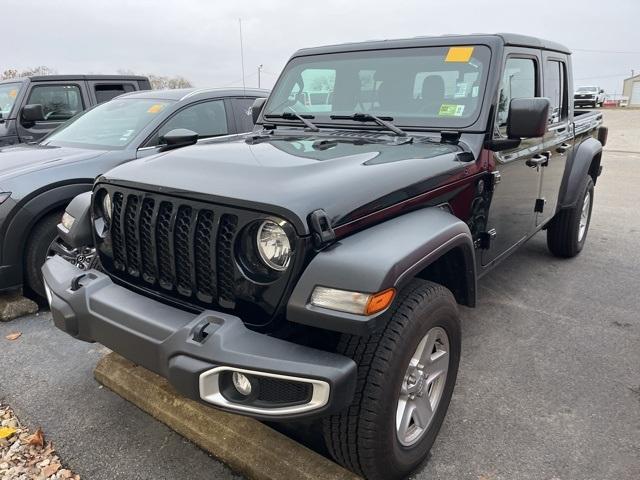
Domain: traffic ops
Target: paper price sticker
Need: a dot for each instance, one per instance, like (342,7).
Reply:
(13,93)
(459,54)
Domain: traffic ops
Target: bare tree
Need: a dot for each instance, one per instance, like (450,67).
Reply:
(161,82)
(29,72)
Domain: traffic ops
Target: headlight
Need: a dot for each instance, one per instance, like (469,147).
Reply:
(67,221)
(273,245)
(107,206)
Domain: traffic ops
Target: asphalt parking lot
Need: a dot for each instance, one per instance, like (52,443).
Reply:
(549,384)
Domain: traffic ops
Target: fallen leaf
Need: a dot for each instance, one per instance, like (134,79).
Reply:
(13,336)
(50,470)
(64,473)
(37,439)
(6,432)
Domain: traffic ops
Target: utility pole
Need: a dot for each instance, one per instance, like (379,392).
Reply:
(259,70)
(244,86)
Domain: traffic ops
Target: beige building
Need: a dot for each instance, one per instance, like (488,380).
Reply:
(631,90)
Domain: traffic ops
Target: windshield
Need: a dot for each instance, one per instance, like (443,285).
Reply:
(432,86)
(587,89)
(8,94)
(111,125)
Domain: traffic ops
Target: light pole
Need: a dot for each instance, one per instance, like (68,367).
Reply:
(259,70)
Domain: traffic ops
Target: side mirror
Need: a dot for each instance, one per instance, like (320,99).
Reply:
(32,113)
(180,137)
(256,108)
(601,90)
(528,118)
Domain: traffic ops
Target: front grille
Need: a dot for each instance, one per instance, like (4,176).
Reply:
(180,248)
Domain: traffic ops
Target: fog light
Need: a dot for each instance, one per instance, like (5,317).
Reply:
(242,383)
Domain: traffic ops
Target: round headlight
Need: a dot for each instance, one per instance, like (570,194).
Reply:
(273,245)
(107,206)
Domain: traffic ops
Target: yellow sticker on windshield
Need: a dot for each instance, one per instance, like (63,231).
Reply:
(13,93)
(450,110)
(459,54)
(155,108)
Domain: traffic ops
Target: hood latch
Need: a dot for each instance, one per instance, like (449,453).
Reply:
(321,229)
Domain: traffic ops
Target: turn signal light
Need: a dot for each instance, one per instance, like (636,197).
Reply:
(380,301)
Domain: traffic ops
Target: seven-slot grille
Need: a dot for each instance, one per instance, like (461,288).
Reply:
(175,246)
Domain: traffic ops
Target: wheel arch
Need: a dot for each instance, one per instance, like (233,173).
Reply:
(586,160)
(431,244)
(28,213)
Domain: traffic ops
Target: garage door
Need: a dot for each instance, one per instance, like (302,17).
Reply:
(635,94)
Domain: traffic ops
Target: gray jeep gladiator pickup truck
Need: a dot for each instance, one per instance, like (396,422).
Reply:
(313,268)
(32,107)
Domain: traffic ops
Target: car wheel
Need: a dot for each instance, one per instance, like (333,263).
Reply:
(37,250)
(567,233)
(406,375)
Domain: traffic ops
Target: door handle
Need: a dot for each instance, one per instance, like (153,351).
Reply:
(540,160)
(563,148)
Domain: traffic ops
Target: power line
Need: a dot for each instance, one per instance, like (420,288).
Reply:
(623,52)
(604,76)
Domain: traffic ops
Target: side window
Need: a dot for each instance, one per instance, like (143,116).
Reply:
(242,112)
(106,92)
(59,102)
(555,89)
(207,119)
(518,81)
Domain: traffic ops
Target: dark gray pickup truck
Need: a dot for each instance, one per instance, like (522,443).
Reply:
(32,107)
(313,268)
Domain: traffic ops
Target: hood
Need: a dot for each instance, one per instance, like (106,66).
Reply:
(20,159)
(294,175)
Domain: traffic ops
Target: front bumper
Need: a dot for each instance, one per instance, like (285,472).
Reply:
(191,350)
(584,101)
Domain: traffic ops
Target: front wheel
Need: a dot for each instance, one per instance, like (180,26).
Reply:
(406,376)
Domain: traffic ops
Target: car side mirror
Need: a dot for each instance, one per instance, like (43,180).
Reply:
(32,113)
(601,91)
(256,108)
(528,117)
(177,138)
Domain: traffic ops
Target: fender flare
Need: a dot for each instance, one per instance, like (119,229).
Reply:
(577,168)
(386,255)
(27,214)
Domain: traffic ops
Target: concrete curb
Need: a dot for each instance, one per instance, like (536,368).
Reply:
(14,305)
(246,445)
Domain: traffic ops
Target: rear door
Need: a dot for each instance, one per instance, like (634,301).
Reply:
(60,101)
(242,113)
(511,215)
(558,140)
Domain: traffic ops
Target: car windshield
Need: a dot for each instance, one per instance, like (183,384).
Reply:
(111,125)
(8,94)
(588,89)
(431,86)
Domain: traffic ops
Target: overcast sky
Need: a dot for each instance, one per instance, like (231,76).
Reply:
(199,39)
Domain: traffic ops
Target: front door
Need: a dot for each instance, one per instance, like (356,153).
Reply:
(512,212)
(60,102)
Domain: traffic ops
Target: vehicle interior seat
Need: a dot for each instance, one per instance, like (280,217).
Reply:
(432,94)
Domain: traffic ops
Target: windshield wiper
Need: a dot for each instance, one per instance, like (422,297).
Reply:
(295,116)
(367,117)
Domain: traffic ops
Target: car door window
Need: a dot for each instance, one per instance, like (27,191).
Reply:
(556,91)
(59,102)
(518,81)
(106,92)
(207,119)
(242,112)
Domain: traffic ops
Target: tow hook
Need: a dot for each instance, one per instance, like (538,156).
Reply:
(75,283)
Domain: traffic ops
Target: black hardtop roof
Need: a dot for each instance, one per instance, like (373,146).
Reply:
(64,78)
(508,39)
(183,93)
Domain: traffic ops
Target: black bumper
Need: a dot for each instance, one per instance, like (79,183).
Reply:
(171,342)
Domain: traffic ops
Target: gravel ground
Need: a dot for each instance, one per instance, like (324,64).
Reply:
(549,384)
(25,455)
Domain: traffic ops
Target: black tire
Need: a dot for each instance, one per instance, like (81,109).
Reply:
(563,231)
(363,437)
(41,236)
